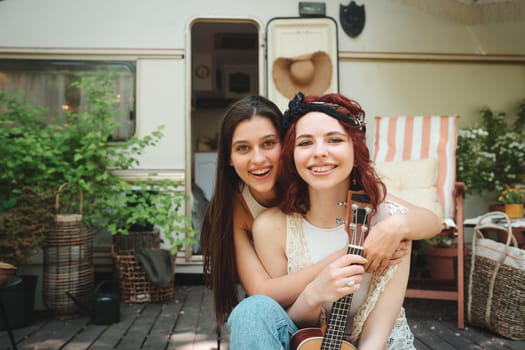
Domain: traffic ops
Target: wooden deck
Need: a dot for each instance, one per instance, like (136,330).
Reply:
(186,324)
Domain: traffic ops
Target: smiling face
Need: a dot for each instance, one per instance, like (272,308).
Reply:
(255,152)
(323,152)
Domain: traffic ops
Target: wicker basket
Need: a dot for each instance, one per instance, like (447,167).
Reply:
(496,281)
(135,286)
(136,239)
(68,262)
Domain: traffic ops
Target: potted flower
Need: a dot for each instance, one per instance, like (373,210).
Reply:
(513,198)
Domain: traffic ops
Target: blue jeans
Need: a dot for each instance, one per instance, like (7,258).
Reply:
(259,322)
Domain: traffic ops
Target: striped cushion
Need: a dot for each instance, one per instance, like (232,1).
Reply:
(421,137)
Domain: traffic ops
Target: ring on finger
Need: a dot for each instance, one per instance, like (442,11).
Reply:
(350,282)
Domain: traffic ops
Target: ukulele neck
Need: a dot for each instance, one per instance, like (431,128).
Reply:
(358,215)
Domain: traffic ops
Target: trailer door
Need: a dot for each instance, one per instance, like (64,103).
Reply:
(302,55)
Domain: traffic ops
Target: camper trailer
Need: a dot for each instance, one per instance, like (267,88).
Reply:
(181,63)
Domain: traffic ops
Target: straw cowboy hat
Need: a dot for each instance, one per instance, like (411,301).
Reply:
(311,74)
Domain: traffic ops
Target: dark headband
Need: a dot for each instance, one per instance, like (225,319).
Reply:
(297,108)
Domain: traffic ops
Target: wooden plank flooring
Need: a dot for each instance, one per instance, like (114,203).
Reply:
(186,324)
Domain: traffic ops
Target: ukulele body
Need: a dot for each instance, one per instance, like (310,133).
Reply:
(312,339)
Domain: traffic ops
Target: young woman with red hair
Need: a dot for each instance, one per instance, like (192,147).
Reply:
(324,154)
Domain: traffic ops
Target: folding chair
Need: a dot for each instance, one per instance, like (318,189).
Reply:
(411,138)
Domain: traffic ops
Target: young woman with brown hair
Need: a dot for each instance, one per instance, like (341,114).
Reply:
(248,154)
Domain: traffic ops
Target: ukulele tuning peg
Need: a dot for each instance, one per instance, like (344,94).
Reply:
(341,203)
(368,210)
(339,221)
(364,229)
(355,206)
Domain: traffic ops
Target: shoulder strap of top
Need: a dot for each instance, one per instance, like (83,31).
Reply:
(253,206)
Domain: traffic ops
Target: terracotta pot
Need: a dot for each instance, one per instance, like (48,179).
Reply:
(497,207)
(514,211)
(442,263)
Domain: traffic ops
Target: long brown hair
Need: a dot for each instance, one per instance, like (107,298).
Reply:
(217,228)
(291,187)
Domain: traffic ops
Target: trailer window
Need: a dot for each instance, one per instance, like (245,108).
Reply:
(48,83)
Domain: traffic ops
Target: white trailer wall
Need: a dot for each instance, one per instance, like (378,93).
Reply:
(406,60)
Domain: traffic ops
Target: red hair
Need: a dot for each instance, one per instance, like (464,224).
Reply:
(292,188)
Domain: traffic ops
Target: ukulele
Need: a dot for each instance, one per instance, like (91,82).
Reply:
(358,215)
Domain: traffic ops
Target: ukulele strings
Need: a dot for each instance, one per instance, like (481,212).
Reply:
(358,228)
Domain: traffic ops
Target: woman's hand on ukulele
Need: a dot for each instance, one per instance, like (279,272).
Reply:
(341,277)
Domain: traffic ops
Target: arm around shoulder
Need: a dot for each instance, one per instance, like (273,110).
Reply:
(266,271)
(416,223)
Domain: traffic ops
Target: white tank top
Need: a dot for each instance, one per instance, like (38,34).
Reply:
(321,242)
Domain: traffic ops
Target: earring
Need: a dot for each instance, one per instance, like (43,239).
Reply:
(355,179)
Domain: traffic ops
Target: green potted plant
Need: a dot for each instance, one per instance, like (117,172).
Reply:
(146,203)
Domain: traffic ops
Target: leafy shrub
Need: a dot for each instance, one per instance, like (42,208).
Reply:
(491,156)
(41,152)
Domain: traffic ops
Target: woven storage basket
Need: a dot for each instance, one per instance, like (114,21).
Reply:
(136,239)
(68,262)
(496,280)
(135,286)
